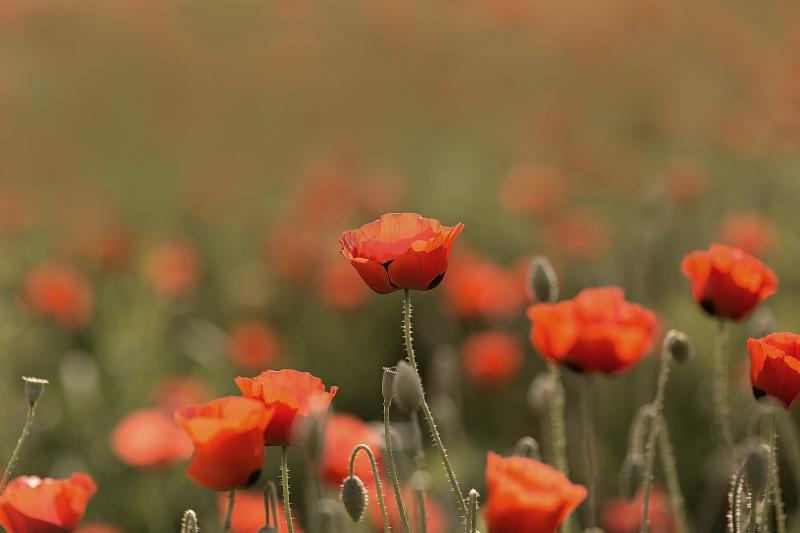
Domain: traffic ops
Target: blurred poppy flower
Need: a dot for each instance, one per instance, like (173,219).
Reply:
(248,513)
(400,251)
(751,232)
(625,516)
(179,391)
(775,366)
(526,496)
(343,433)
(294,395)
(597,331)
(59,292)
(685,181)
(477,288)
(173,269)
(253,345)
(491,357)
(228,437)
(34,505)
(727,282)
(435,515)
(150,438)
(340,287)
(580,234)
(533,189)
(98,528)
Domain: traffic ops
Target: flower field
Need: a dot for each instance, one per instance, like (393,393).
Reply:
(508,266)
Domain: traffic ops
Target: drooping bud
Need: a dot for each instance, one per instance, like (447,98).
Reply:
(407,390)
(678,345)
(528,447)
(34,388)
(354,497)
(189,522)
(388,384)
(539,392)
(542,282)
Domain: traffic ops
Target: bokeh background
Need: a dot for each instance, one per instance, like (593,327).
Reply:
(172,169)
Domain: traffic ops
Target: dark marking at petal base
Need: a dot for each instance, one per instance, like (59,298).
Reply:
(253,478)
(436,281)
(387,263)
(758,393)
(574,367)
(386,268)
(709,307)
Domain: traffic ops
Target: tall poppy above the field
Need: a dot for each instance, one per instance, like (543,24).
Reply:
(597,331)
(228,437)
(400,251)
(34,505)
(526,496)
(294,395)
(727,282)
(775,366)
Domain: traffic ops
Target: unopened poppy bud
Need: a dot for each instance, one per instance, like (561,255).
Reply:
(34,388)
(678,345)
(528,447)
(756,466)
(407,390)
(542,283)
(388,384)
(631,476)
(539,392)
(189,522)
(354,497)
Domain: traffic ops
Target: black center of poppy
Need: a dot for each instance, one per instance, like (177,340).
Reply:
(574,367)
(253,478)
(758,393)
(708,306)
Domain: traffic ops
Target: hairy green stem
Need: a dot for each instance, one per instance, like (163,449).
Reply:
(590,454)
(670,468)
(775,495)
(229,513)
(462,504)
(26,429)
(390,466)
(376,479)
(287,506)
(720,390)
(419,458)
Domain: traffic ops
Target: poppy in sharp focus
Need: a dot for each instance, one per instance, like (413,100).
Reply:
(625,516)
(775,366)
(59,292)
(294,395)
(248,513)
(727,282)
(228,437)
(150,438)
(491,357)
(400,251)
(253,345)
(34,505)
(526,496)
(597,331)
(343,433)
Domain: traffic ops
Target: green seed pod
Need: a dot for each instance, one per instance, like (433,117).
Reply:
(678,345)
(388,384)
(407,390)
(34,388)
(354,497)
(542,285)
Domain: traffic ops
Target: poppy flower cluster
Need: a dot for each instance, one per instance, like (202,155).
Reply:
(34,505)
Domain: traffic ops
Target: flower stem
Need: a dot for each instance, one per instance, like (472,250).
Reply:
(375,477)
(587,402)
(720,389)
(419,457)
(650,446)
(558,433)
(229,513)
(26,429)
(287,507)
(773,496)
(669,466)
(462,504)
(392,468)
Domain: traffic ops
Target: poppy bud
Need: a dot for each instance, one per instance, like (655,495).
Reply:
(539,392)
(407,390)
(542,283)
(388,384)
(756,466)
(354,497)
(34,388)
(189,522)
(528,447)
(678,345)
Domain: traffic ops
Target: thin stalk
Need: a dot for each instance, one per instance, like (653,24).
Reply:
(669,466)
(587,418)
(650,446)
(287,507)
(556,415)
(419,458)
(375,477)
(462,504)
(791,446)
(775,495)
(229,513)
(472,519)
(720,389)
(270,504)
(26,429)
(392,468)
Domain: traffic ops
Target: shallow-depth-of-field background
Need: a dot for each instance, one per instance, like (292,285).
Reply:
(195,162)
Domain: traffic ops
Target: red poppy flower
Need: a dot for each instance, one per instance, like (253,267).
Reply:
(340,287)
(751,232)
(294,395)
(727,282)
(343,433)
(228,437)
(150,438)
(580,234)
(34,505)
(173,270)
(625,516)
(253,345)
(179,391)
(526,496)
(478,288)
(435,514)
(98,528)
(491,357)
(598,331)
(400,251)
(248,513)
(59,292)
(775,366)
